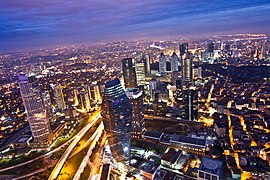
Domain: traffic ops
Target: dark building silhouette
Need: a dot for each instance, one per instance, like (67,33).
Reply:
(146,61)
(190,103)
(128,67)
(211,47)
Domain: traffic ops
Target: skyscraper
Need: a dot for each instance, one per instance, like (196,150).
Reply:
(210,50)
(140,74)
(162,63)
(135,97)
(183,48)
(35,110)
(89,92)
(190,103)
(84,101)
(116,114)
(174,62)
(97,93)
(146,60)
(59,97)
(76,100)
(47,104)
(128,68)
(186,64)
(211,47)
(152,88)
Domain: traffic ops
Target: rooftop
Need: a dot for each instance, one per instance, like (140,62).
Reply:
(154,134)
(212,166)
(188,140)
(171,155)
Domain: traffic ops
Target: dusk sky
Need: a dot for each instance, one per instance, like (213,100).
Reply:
(41,23)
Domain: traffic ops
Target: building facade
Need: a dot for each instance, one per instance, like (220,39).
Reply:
(174,62)
(190,103)
(140,74)
(35,110)
(135,97)
(162,63)
(129,73)
(117,114)
(59,97)
(186,64)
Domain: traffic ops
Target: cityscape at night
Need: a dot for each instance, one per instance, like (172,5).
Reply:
(134,90)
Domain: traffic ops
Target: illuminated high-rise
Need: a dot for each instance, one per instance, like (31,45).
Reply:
(47,104)
(129,74)
(76,100)
(162,63)
(97,93)
(84,101)
(59,97)
(135,97)
(117,114)
(186,64)
(35,110)
(174,62)
(89,92)
(152,88)
(140,74)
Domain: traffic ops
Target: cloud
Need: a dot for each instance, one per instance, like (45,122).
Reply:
(43,22)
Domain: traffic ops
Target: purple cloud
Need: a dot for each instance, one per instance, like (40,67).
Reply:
(43,23)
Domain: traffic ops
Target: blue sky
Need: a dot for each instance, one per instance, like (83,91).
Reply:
(41,23)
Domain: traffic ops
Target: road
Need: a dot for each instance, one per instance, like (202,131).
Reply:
(97,161)
(64,157)
(40,157)
(30,174)
(85,144)
(97,113)
(95,138)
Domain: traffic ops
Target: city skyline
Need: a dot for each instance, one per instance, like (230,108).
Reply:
(39,24)
(194,110)
(156,90)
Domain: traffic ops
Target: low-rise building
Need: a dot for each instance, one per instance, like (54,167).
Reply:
(171,158)
(210,169)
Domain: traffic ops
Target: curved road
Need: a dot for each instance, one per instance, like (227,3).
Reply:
(64,157)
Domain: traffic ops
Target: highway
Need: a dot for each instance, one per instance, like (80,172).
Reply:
(77,138)
(86,143)
(45,155)
(97,161)
(95,138)
(31,174)
(40,157)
